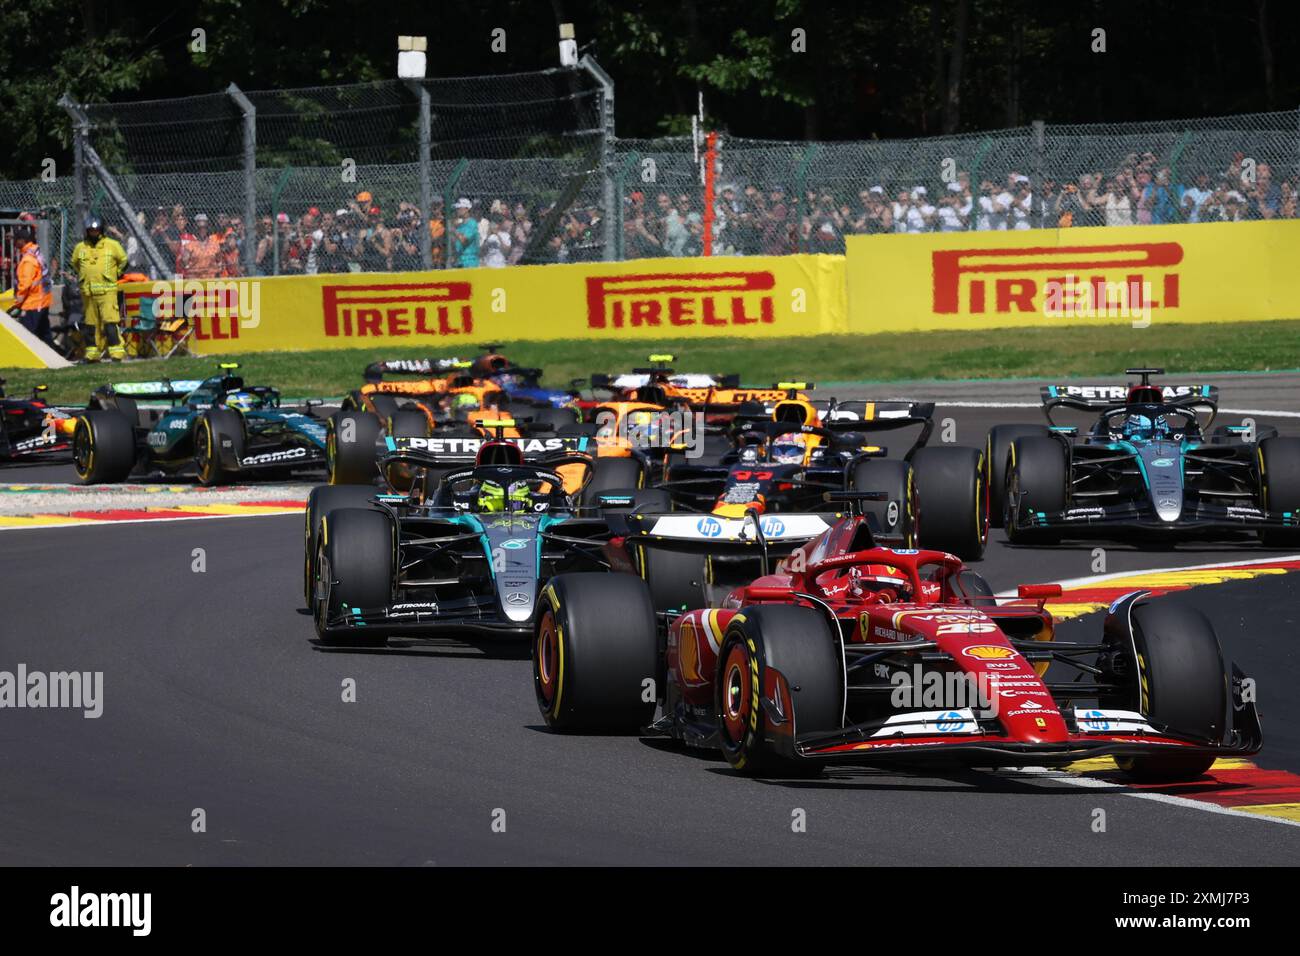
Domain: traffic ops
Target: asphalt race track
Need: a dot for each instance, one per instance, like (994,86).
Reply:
(216,698)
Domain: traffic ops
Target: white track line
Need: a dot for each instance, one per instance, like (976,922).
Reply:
(1094,579)
(1093,783)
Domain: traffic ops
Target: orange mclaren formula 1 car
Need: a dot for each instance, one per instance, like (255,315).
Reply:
(854,653)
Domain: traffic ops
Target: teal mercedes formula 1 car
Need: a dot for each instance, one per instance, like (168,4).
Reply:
(1150,466)
(219,429)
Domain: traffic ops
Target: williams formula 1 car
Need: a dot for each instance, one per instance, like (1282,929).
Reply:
(855,653)
(1150,465)
(218,429)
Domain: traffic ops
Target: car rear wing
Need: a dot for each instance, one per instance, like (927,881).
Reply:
(1098,397)
(164,390)
(464,450)
(376,371)
(759,536)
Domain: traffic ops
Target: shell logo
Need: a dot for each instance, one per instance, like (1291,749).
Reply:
(988,652)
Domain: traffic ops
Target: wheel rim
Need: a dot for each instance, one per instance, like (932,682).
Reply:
(203,451)
(737,694)
(83,451)
(548,659)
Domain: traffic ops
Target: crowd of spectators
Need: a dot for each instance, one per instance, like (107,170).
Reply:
(367,235)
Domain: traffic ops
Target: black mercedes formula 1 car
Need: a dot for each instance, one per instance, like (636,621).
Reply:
(1152,465)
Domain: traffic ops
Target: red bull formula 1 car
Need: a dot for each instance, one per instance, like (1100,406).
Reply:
(833,660)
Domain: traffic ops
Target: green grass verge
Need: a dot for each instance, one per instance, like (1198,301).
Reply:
(1042,353)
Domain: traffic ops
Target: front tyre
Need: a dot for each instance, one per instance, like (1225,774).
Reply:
(218,445)
(1279,487)
(797,642)
(103,447)
(1179,684)
(1037,478)
(953,500)
(350,451)
(356,558)
(596,654)
(996,449)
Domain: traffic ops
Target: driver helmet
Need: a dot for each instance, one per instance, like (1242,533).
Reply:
(462,405)
(493,497)
(871,578)
(788,450)
(242,401)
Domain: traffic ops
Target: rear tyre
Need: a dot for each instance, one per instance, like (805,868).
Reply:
(996,448)
(1037,477)
(385,406)
(550,420)
(953,500)
(408,423)
(356,555)
(895,518)
(675,578)
(352,462)
(218,438)
(797,642)
(594,649)
(1279,488)
(103,447)
(322,500)
(611,474)
(1182,685)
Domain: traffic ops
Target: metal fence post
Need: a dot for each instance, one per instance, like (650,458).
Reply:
(249,113)
(448,197)
(280,187)
(630,162)
(426,174)
(608,196)
(124,209)
(1036,174)
(79,133)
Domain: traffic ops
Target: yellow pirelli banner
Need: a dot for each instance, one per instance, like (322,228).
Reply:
(778,296)
(1205,272)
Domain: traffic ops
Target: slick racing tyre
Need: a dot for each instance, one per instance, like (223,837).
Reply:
(996,448)
(355,561)
(796,641)
(218,445)
(385,406)
(1179,683)
(350,447)
(549,421)
(896,518)
(611,474)
(103,447)
(121,403)
(596,654)
(675,578)
(323,500)
(1037,478)
(952,500)
(1279,488)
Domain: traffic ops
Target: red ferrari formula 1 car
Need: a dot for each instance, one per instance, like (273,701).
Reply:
(855,653)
